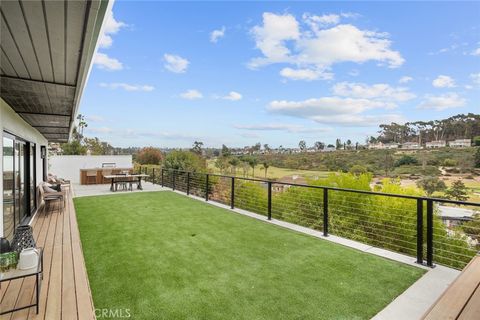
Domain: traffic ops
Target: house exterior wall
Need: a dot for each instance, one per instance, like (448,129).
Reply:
(68,167)
(460,143)
(11,122)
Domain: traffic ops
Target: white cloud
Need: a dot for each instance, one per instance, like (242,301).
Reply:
(475,78)
(94,118)
(103,61)
(305,74)
(271,36)
(442,102)
(175,63)
(281,39)
(111,27)
(475,52)
(127,87)
(334,110)
(280,127)
(216,35)
(191,94)
(318,22)
(232,96)
(380,91)
(443,81)
(405,79)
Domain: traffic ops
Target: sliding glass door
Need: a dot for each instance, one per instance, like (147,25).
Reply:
(20,193)
(8,187)
(19,185)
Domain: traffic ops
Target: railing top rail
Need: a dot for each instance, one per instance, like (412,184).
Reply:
(466,203)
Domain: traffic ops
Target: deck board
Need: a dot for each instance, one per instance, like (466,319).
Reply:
(462,299)
(65,290)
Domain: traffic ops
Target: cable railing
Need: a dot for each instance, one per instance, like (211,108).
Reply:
(406,224)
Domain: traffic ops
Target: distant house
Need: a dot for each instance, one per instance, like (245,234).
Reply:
(376,146)
(411,146)
(392,145)
(436,144)
(460,143)
(329,149)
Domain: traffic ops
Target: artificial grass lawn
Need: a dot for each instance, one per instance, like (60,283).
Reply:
(166,256)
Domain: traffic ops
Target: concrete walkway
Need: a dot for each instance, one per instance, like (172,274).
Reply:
(104,189)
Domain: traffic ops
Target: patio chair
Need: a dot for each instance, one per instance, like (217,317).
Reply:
(91,176)
(48,195)
(106,173)
(53,179)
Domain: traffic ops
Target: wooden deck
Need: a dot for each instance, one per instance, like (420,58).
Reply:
(462,298)
(65,292)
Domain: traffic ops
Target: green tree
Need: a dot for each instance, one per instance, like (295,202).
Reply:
(319,145)
(73,148)
(225,151)
(457,191)
(387,162)
(234,162)
(252,162)
(149,155)
(98,147)
(302,145)
(222,164)
(338,144)
(476,141)
(82,124)
(349,144)
(266,165)
(431,184)
(197,147)
(406,160)
(184,161)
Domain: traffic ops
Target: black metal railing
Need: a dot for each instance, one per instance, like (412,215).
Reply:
(406,224)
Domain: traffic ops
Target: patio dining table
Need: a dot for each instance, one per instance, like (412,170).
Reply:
(115,178)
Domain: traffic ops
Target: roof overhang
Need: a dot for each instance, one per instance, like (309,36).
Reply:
(47,48)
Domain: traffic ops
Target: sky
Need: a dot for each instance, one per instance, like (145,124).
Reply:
(236,73)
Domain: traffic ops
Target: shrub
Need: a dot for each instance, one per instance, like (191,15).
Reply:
(450,162)
(358,169)
(406,160)
(149,155)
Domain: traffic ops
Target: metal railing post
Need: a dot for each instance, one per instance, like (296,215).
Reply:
(269,208)
(173,180)
(206,188)
(232,194)
(429,232)
(325,212)
(161,179)
(188,183)
(420,231)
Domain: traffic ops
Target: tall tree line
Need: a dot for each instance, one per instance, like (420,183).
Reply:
(461,126)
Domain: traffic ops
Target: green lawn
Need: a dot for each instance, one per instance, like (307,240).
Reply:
(165,256)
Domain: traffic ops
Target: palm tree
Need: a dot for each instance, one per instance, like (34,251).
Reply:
(265,167)
(253,163)
(234,162)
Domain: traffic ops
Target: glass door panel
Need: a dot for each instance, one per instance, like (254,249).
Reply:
(32,178)
(8,188)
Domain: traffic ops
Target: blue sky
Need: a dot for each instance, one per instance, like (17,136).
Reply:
(237,73)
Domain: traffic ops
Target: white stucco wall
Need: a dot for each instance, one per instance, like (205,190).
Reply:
(11,122)
(68,167)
